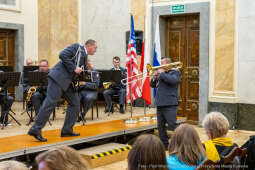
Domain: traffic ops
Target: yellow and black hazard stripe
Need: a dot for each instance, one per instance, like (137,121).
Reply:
(114,151)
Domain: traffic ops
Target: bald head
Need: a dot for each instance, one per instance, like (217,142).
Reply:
(29,62)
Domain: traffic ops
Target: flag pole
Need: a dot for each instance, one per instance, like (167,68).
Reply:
(131,71)
(144,105)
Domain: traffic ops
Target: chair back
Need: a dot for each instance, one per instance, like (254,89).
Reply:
(235,159)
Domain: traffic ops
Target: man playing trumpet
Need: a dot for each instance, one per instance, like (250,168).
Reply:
(167,81)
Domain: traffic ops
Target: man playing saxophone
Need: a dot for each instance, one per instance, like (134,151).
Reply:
(40,94)
(118,89)
(88,90)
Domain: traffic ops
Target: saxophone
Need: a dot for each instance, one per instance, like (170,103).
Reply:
(107,85)
(30,93)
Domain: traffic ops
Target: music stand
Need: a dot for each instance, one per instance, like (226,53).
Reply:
(8,79)
(30,68)
(35,78)
(6,68)
(110,76)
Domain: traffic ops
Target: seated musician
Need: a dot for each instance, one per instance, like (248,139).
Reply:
(29,62)
(39,95)
(88,90)
(6,102)
(116,89)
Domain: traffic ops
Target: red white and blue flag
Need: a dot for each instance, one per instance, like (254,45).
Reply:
(133,88)
(146,90)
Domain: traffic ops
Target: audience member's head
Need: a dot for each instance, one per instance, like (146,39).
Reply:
(12,165)
(216,125)
(147,153)
(116,62)
(29,62)
(61,158)
(44,65)
(186,145)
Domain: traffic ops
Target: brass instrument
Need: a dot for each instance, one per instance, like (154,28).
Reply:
(167,67)
(30,93)
(107,85)
(150,69)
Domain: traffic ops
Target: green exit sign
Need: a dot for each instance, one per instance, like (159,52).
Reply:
(177,9)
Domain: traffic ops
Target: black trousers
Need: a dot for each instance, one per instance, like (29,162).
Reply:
(37,100)
(108,96)
(6,104)
(54,92)
(166,114)
(87,97)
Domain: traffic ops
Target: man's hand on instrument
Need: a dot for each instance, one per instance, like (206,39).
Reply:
(78,70)
(161,70)
(82,83)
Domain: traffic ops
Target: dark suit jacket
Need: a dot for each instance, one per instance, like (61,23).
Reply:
(123,76)
(93,85)
(167,88)
(63,72)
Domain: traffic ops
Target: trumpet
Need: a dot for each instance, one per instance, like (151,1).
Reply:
(150,69)
(107,85)
(167,67)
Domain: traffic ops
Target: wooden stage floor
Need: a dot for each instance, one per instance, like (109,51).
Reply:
(24,144)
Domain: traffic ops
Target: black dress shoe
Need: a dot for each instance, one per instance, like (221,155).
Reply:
(69,134)
(36,136)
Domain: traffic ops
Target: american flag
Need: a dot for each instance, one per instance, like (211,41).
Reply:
(133,88)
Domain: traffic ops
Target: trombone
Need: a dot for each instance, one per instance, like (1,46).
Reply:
(150,69)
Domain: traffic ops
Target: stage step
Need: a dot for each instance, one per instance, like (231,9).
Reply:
(105,154)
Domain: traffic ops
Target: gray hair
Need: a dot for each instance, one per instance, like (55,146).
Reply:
(90,42)
(216,124)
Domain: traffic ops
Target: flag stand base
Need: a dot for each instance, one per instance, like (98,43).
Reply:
(130,121)
(153,118)
(145,119)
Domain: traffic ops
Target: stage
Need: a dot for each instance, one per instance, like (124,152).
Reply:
(24,144)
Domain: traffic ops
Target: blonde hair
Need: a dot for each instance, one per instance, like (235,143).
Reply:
(216,124)
(12,165)
(186,145)
(62,158)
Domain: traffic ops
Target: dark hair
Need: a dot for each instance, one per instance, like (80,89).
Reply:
(116,58)
(186,145)
(169,60)
(147,153)
(44,60)
(90,42)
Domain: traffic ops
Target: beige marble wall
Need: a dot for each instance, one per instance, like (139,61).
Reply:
(224,45)
(138,9)
(57,27)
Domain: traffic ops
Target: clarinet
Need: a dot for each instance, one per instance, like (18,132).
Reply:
(76,77)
